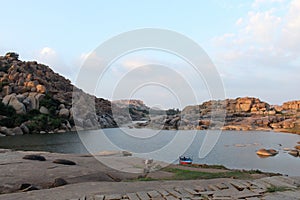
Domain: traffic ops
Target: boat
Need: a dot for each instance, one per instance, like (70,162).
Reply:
(185,160)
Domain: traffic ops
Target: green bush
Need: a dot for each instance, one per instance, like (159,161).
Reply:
(44,122)
(6,110)
(50,103)
(7,122)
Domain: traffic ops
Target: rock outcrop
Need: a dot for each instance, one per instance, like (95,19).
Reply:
(35,99)
(243,114)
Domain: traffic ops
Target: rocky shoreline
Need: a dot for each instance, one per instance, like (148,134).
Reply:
(23,171)
(35,99)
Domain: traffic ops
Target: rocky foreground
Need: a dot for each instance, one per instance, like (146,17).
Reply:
(42,175)
(35,99)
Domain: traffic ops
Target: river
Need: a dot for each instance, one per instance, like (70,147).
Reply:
(233,149)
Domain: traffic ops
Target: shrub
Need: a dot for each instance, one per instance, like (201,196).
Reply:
(50,103)
(6,110)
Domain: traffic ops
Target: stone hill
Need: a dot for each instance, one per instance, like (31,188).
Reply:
(245,113)
(35,99)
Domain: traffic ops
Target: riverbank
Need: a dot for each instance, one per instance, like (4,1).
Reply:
(22,171)
(44,175)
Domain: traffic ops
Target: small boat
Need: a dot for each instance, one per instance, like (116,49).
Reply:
(185,160)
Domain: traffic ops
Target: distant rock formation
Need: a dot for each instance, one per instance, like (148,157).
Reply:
(243,114)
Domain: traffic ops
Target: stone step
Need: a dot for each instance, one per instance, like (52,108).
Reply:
(199,188)
(113,197)
(153,194)
(191,191)
(175,193)
(277,182)
(222,198)
(170,198)
(246,194)
(213,187)
(163,192)
(132,196)
(253,198)
(221,186)
(98,197)
(143,195)
(238,185)
(183,192)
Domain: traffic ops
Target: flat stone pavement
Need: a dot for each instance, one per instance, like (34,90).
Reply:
(217,189)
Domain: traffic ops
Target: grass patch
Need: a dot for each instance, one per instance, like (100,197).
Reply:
(146,179)
(143,179)
(277,189)
(206,166)
(180,174)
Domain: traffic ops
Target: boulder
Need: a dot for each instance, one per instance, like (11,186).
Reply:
(20,97)
(17,105)
(64,162)
(25,187)
(267,152)
(59,182)
(44,110)
(297,147)
(31,84)
(6,90)
(24,128)
(278,108)
(294,153)
(64,112)
(291,105)
(244,104)
(41,89)
(5,131)
(7,98)
(34,157)
(17,131)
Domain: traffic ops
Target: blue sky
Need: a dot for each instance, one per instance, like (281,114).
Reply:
(254,44)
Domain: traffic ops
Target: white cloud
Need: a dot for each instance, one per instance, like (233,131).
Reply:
(259,3)
(239,21)
(47,51)
(50,57)
(262,25)
(263,53)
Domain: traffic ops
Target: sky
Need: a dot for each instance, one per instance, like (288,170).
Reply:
(254,45)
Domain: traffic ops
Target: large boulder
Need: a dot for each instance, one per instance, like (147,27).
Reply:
(24,128)
(17,131)
(41,89)
(267,152)
(44,110)
(244,104)
(291,105)
(6,99)
(5,131)
(64,112)
(17,105)
(33,100)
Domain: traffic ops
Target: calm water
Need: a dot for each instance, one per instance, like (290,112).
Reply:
(234,149)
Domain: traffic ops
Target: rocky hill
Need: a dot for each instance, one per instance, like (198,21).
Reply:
(245,113)
(35,99)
